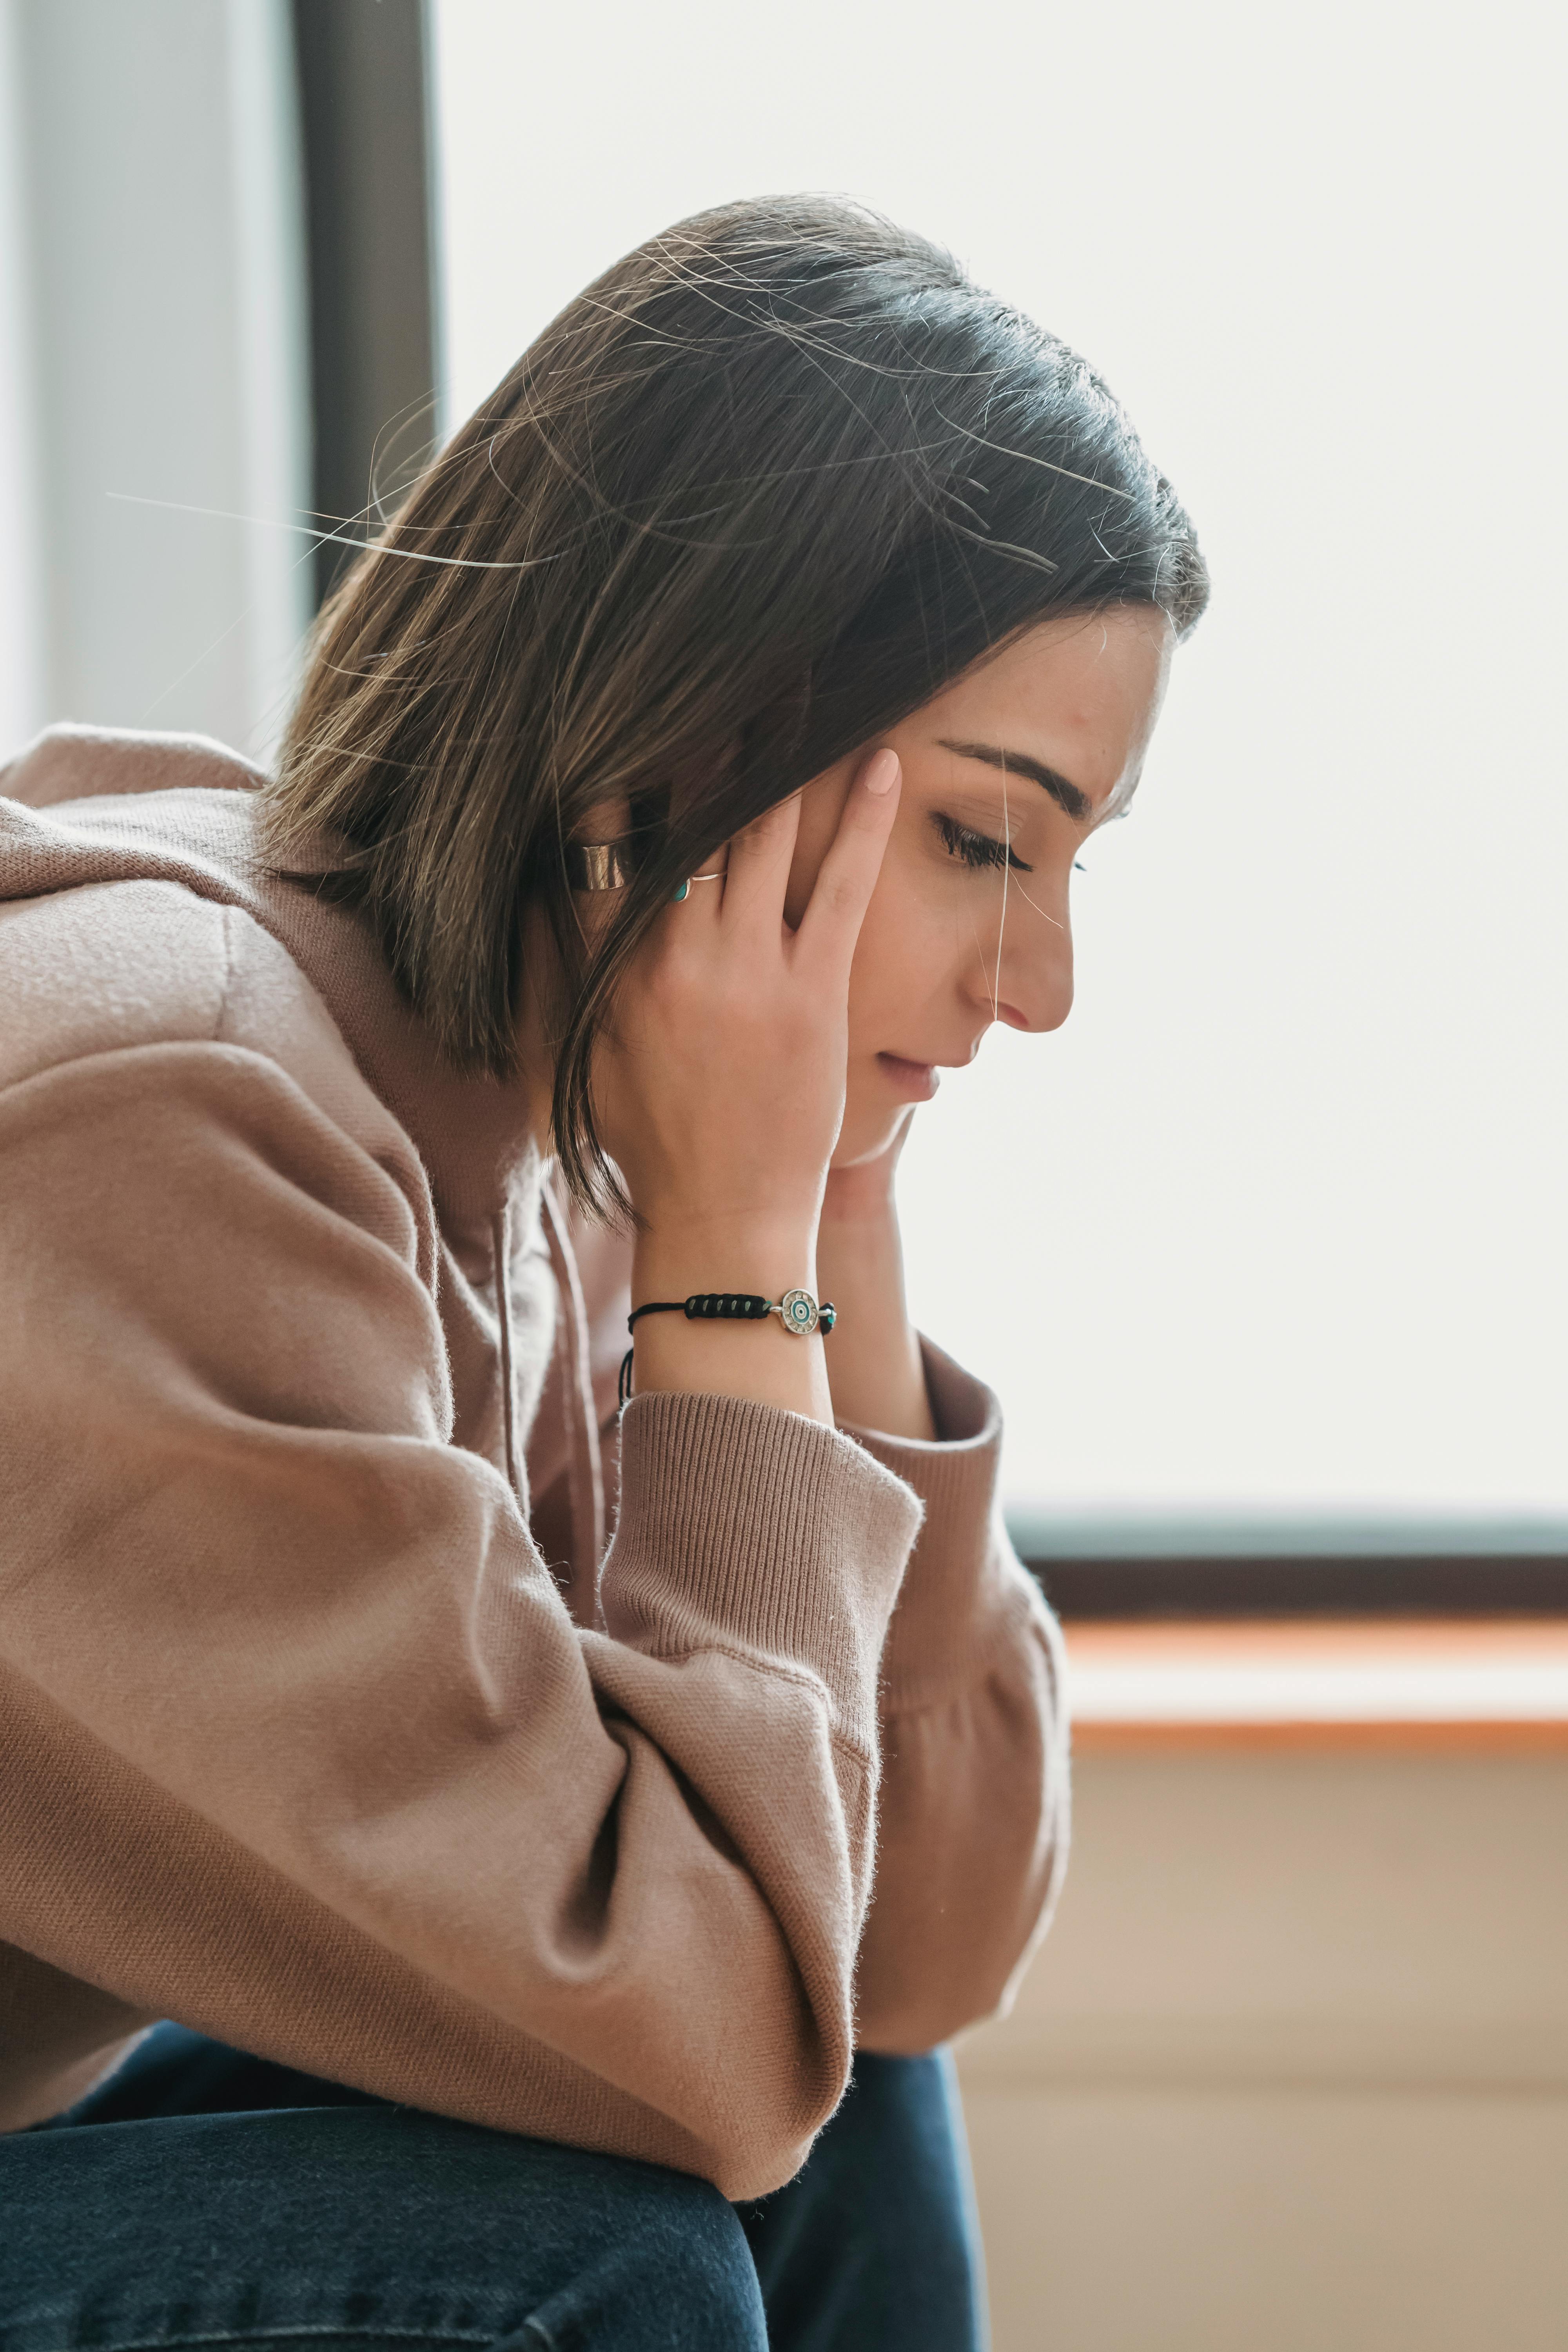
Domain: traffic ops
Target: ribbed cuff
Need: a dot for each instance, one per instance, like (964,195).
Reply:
(744,1526)
(957,1591)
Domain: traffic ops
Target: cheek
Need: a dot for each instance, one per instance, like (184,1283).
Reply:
(903,960)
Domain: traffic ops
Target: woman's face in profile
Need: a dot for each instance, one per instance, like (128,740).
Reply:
(1005,774)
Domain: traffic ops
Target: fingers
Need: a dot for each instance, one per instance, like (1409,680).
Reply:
(711,877)
(836,908)
(698,901)
(760,862)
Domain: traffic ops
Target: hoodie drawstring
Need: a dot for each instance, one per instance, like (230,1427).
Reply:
(500,1241)
(586,1480)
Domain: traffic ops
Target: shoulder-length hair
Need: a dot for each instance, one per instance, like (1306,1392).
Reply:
(762,491)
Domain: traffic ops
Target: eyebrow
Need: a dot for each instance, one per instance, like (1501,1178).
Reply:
(1066,795)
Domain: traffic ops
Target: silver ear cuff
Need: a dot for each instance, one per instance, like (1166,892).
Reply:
(599,865)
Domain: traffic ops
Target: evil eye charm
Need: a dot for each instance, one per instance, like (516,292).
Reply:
(798,1311)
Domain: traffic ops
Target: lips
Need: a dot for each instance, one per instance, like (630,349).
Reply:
(914,1081)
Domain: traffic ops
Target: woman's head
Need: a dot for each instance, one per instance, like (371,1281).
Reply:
(774,483)
(1005,773)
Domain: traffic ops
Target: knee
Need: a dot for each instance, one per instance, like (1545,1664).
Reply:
(896,2149)
(675,2274)
(722,2302)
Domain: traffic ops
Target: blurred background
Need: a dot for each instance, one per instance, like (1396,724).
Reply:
(1264,1252)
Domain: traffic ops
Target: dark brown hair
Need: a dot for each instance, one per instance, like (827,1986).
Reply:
(764,488)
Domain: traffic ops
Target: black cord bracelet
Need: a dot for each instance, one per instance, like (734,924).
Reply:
(797,1310)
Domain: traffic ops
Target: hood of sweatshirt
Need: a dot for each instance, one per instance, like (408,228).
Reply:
(82,807)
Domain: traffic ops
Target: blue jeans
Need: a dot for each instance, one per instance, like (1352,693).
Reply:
(206,2198)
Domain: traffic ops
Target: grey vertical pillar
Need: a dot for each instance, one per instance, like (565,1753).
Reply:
(364,115)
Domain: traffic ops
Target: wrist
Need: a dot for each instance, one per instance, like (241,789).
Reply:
(723,1355)
(856,1221)
(863,1254)
(859,1199)
(675,1258)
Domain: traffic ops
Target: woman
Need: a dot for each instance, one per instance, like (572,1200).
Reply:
(694,766)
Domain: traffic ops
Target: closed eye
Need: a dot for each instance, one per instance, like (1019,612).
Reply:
(976,849)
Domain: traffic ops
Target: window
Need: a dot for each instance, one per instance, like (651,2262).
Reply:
(1274,1227)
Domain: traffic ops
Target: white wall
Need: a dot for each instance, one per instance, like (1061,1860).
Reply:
(152,262)
(1276,1218)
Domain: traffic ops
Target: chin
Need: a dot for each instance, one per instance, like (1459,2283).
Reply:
(868,1130)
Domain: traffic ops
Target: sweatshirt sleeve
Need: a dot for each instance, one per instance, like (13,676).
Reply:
(298,1743)
(974,1795)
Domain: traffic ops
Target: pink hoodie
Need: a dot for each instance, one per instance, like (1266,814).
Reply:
(304,1740)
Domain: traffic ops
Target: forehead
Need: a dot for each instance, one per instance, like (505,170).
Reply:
(1078,693)
(1098,675)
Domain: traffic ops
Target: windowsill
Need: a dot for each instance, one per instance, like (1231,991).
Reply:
(1174,1563)
(1407,1683)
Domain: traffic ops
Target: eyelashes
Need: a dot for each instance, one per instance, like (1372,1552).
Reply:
(980,851)
(983,851)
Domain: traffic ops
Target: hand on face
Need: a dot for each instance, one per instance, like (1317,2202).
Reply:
(721,1083)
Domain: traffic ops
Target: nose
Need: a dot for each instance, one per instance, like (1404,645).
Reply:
(1024,973)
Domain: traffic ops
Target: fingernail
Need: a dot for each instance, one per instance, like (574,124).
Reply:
(883,772)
